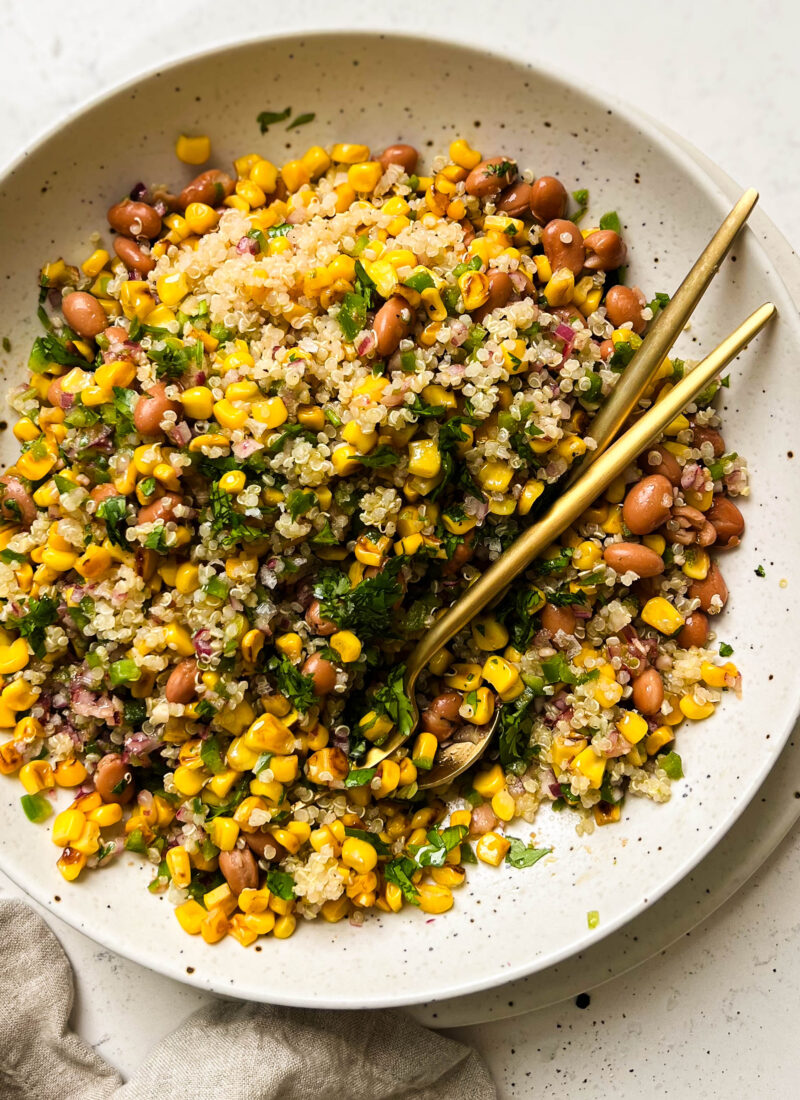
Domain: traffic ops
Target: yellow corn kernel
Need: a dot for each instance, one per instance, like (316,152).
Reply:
(346,644)
(135,299)
(198,402)
(481,710)
(233,482)
(285,926)
(67,827)
(543,269)
(361,440)
(500,674)
(655,542)
(215,926)
(26,431)
(424,751)
(187,578)
(254,901)
(560,288)
(222,898)
(94,264)
(697,563)
(37,776)
(364,177)
(462,155)
(269,734)
(492,848)
(503,805)
(105,816)
(93,563)
(347,153)
(295,175)
(89,840)
(264,174)
(434,898)
(464,677)
(70,863)
(660,614)
(261,923)
(359,855)
(193,150)
(229,416)
(563,749)
(19,695)
(488,633)
(570,447)
(189,781)
(345,460)
(696,711)
(658,739)
(290,645)
(178,638)
(200,218)
(191,915)
(495,477)
(28,729)
(173,288)
(424,458)
(632,727)
(474,287)
(179,866)
(718,676)
(224,832)
(531,491)
(588,763)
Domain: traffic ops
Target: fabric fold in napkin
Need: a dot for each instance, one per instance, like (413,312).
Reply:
(226,1051)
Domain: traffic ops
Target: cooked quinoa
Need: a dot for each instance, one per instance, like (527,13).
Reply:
(270,433)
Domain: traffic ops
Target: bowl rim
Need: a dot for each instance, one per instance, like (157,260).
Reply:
(647,127)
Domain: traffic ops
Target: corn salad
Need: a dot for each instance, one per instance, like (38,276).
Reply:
(275,425)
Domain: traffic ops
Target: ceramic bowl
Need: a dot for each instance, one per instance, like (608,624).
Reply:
(379,89)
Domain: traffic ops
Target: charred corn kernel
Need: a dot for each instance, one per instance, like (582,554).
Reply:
(606,814)
(691,708)
(474,287)
(295,175)
(364,177)
(229,416)
(589,764)
(94,562)
(658,739)
(531,491)
(172,288)
(28,729)
(69,773)
(662,616)
(410,545)
(224,832)
(435,308)
(349,153)
(135,299)
(492,848)
(67,827)
(464,677)
(462,155)
(10,757)
(180,868)
(345,460)
(105,816)
(19,695)
(503,805)
(500,674)
(632,727)
(239,929)
(448,876)
(361,440)
(346,644)
(697,563)
(189,781)
(434,898)
(193,150)
(563,749)
(269,734)
(424,458)
(489,633)
(495,477)
(200,218)
(70,863)
(285,926)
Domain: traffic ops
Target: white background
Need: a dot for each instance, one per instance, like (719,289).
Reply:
(714,1015)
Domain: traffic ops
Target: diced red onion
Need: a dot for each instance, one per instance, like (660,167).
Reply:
(138,191)
(246,447)
(367,343)
(202,643)
(180,434)
(247,245)
(458,333)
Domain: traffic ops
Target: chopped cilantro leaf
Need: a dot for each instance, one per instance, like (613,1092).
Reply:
(38,614)
(366,609)
(392,700)
(281,884)
(298,502)
(301,120)
(522,855)
(291,682)
(398,872)
(672,765)
(268,118)
(611,221)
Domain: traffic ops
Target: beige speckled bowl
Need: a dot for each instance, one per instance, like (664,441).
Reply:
(379,89)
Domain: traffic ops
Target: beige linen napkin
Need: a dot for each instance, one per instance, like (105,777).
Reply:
(227,1051)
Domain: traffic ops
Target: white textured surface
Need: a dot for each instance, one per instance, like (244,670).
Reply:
(707,1014)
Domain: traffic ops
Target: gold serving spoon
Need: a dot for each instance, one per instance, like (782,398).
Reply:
(629,388)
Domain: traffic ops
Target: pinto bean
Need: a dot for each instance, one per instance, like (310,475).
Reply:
(624,557)
(322,672)
(211,187)
(16,503)
(316,621)
(84,313)
(648,692)
(440,716)
(727,521)
(687,525)
(647,505)
(103,492)
(240,870)
(694,631)
(150,408)
(607,349)
(133,255)
(391,324)
(483,820)
(258,842)
(490,177)
(469,231)
(181,686)
(516,200)
(625,303)
(548,199)
(500,290)
(605,250)
(161,509)
(558,618)
(135,219)
(706,590)
(113,779)
(461,555)
(701,434)
(404,155)
(563,245)
(667,464)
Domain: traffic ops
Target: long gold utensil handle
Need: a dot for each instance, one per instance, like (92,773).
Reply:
(570,505)
(665,330)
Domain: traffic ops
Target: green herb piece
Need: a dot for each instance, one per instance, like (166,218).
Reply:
(381,457)
(366,609)
(325,537)
(6,344)
(301,120)
(9,556)
(725,650)
(258,236)
(37,807)
(672,765)
(515,728)
(216,588)
(47,350)
(134,842)
(502,168)
(440,843)
(204,710)
(475,338)
(408,362)
(226,522)
(298,502)
(419,280)
(398,872)
(352,315)
(360,777)
(298,688)
(219,332)
(268,118)
(134,711)
(419,408)
(32,624)
(581,197)
(333,418)
(760,571)
(124,671)
(392,700)
(173,358)
(611,221)
(114,511)
(370,838)
(716,469)
(556,670)
(147,487)
(658,303)
(161,881)
(365,286)
(623,353)
(157,539)
(521,854)
(592,918)
(211,755)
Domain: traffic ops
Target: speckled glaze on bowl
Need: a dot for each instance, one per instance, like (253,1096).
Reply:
(506,923)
